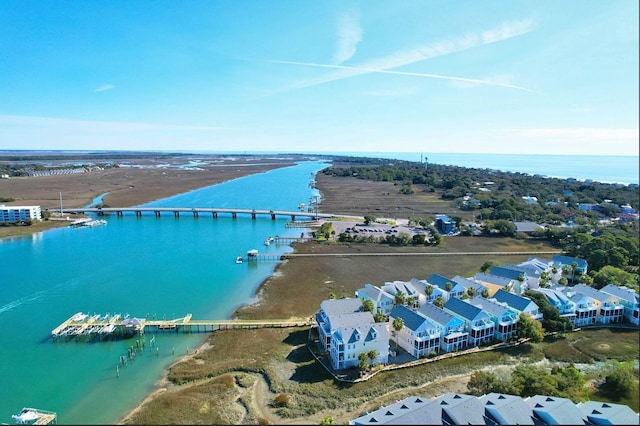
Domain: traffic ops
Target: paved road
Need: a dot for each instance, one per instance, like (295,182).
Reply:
(467,253)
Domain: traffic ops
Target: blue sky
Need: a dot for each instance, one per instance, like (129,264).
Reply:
(557,77)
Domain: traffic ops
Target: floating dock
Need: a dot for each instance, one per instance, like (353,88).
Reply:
(81,324)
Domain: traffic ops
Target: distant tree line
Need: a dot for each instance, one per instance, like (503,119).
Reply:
(611,248)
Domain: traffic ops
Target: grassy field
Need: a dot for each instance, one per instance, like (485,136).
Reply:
(37,226)
(280,359)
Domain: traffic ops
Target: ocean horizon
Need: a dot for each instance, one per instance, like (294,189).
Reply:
(613,169)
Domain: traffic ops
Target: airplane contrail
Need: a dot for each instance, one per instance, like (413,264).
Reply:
(414,74)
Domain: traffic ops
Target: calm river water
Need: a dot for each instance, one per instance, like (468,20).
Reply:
(145,267)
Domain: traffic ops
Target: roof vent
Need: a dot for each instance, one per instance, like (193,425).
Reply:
(388,413)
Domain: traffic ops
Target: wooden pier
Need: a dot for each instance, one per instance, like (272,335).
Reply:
(83,325)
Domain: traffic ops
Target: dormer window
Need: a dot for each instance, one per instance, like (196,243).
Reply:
(356,335)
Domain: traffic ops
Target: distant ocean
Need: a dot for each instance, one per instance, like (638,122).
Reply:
(601,168)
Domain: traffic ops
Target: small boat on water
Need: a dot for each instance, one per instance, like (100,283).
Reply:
(239,259)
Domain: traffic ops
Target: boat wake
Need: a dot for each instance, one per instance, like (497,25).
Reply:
(22,301)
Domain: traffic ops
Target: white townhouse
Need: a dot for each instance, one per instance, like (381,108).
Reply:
(518,303)
(330,309)
(586,309)
(476,321)
(468,283)
(504,318)
(561,302)
(627,298)
(452,333)
(355,334)
(418,336)
(518,277)
(610,310)
(14,214)
(405,288)
(382,301)
(449,286)
(423,285)
(533,271)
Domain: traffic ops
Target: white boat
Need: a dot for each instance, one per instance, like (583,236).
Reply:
(26,416)
(239,259)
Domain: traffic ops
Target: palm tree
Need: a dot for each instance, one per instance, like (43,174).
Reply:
(400,298)
(428,290)
(574,265)
(485,292)
(439,302)
(471,291)
(398,323)
(372,355)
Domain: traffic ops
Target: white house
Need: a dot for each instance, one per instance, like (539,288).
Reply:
(418,336)
(19,213)
(428,292)
(331,309)
(451,287)
(627,298)
(355,334)
(610,310)
(406,289)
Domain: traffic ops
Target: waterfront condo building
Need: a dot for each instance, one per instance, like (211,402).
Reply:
(14,214)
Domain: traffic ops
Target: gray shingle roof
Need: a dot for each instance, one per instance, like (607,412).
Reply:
(341,306)
(566,260)
(437,315)
(505,272)
(622,293)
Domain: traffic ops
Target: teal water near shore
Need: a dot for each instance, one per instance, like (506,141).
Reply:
(163,267)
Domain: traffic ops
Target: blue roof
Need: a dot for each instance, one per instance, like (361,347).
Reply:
(440,281)
(462,308)
(505,272)
(518,303)
(412,320)
(444,218)
(566,260)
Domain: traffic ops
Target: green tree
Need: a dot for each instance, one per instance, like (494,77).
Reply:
(400,298)
(372,355)
(379,316)
(368,219)
(363,362)
(367,305)
(471,291)
(439,302)
(326,421)
(485,292)
(618,382)
(482,383)
(530,328)
(486,266)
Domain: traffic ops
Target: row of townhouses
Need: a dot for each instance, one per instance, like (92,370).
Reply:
(473,311)
(498,409)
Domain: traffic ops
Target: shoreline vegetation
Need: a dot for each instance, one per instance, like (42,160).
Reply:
(268,376)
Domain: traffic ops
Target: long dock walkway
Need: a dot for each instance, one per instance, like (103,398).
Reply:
(84,325)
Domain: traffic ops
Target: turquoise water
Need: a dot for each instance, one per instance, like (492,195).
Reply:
(603,168)
(165,267)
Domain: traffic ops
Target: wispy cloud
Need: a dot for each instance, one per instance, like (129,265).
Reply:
(349,35)
(104,88)
(419,53)
(361,70)
(95,126)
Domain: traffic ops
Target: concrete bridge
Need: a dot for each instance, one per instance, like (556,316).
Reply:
(197,211)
